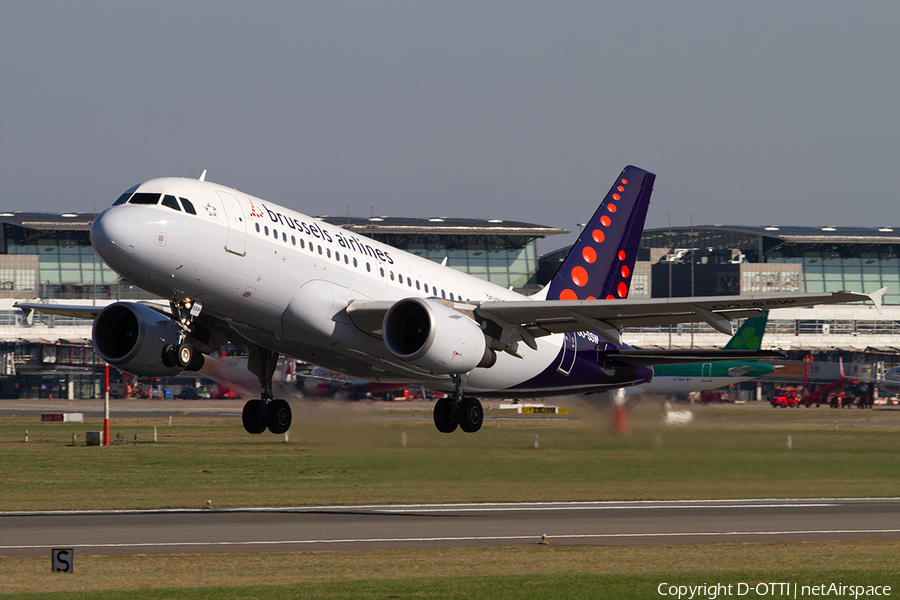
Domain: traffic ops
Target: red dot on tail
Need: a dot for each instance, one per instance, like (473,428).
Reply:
(598,236)
(621,255)
(568,294)
(589,254)
(625,271)
(622,290)
(579,276)
(605,221)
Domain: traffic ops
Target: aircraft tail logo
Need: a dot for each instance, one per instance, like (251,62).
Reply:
(750,334)
(601,263)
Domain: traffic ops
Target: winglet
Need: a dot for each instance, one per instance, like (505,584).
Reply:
(203,175)
(877,298)
(29,312)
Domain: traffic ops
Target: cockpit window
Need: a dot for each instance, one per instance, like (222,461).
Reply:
(144,198)
(124,197)
(171,202)
(188,207)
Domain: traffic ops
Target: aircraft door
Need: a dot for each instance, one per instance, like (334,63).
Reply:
(237,226)
(706,371)
(569,351)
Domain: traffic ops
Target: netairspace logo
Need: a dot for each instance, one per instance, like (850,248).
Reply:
(711,591)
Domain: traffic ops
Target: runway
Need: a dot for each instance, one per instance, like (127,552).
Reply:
(447,525)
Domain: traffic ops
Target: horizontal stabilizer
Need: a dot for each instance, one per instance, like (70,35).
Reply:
(649,358)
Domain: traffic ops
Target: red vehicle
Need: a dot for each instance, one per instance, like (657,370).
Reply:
(785,398)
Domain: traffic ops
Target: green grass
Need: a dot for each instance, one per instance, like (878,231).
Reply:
(535,572)
(352,454)
(346,455)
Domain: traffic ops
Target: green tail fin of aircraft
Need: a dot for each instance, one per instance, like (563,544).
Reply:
(750,334)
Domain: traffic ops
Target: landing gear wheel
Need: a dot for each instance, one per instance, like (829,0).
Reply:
(184,355)
(471,415)
(196,363)
(444,419)
(169,356)
(278,416)
(254,416)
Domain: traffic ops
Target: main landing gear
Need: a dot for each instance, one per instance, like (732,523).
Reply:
(267,412)
(458,411)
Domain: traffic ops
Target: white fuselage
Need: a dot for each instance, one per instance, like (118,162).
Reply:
(283,279)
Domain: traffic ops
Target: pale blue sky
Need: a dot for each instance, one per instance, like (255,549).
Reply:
(749,113)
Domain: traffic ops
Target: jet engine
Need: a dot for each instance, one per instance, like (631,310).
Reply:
(134,338)
(435,337)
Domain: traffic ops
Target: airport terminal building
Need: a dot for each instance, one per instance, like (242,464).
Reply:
(49,256)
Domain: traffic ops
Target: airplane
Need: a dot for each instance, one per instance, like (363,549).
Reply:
(324,382)
(270,280)
(699,377)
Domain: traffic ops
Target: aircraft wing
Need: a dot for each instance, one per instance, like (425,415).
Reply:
(79,311)
(66,310)
(605,317)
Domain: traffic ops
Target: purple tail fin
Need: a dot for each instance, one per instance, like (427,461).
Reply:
(601,262)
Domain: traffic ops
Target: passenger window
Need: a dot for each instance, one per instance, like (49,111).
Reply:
(320,249)
(275,233)
(267,229)
(417,284)
(293,241)
(284,237)
(443,295)
(337,256)
(392,275)
(171,202)
(257,228)
(354,262)
(144,198)
(409,281)
(189,208)
(346,260)
(302,243)
(328,250)
(368,267)
(426,288)
(451,296)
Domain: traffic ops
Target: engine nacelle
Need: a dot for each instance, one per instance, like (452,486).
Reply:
(132,337)
(435,337)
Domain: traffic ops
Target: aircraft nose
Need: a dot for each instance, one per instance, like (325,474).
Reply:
(115,231)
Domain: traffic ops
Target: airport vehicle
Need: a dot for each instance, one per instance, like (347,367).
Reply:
(273,281)
(786,398)
(697,377)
